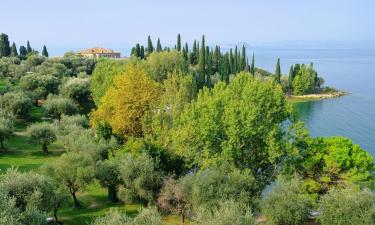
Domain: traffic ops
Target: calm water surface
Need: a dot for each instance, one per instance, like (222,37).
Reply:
(352,70)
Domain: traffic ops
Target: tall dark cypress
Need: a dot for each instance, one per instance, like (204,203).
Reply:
(158,46)
(150,47)
(209,66)
(231,62)
(278,72)
(137,52)
(202,57)
(252,67)
(23,52)
(178,47)
(142,52)
(193,56)
(290,78)
(243,58)
(296,70)
(13,50)
(28,47)
(185,52)
(236,60)
(4,45)
(44,51)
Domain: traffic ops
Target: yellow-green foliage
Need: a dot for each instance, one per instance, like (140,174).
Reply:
(125,103)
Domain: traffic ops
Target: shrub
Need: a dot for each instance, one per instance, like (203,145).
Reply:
(141,181)
(228,213)
(17,103)
(287,204)
(56,106)
(145,217)
(6,127)
(347,206)
(217,184)
(42,134)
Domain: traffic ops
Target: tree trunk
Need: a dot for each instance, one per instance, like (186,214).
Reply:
(76,203)
(45,148)
(56,219)
(2,143)
(182,219)
(112,194)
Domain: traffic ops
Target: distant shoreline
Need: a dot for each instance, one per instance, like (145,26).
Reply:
(316,96)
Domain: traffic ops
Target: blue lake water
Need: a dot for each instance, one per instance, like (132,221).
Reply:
(348,69)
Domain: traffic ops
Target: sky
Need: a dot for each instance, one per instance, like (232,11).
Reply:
(123,22)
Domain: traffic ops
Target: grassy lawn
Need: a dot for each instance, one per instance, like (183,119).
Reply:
(21,154)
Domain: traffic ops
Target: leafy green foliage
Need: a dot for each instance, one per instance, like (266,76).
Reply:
(141,181)
(30,196)
(102,77)
(304,82)
(17,103)
(42,134)
(56,106)
(347,206)
(160,64)
(325,162)
(287,203)
(39,85)
(145,217)
(6,127)
(240,123)
(74,170)
(227,213)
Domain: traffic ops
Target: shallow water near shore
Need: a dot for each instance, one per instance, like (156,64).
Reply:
(348,69)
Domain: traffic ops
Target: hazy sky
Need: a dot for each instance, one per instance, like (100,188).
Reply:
(101,22)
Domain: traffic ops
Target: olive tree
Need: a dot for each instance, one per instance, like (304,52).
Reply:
(74,171)
(17,103)
(147,216)
(29,193)
(39,85)
(287,203)
(174,198)
(6,127)
(57,106)
(347,206)
(141,181)
(43,134)
(226,213)
(108,174)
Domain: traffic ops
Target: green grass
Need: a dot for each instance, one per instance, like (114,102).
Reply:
(21,154)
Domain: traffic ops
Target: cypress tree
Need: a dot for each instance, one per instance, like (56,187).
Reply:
(226,68)
(142,52)
(23,52)
(290,78)
(28,47)
(235,60)
(209,67)
(193,57)
(278,72)
(296,70)
(13,50)
(243,58)
(202,58)
(178,42)
(137,52)
(252,67)
(185,52)
(158,46)
(4,45)
(231,62)
(150,47)
(44,51)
